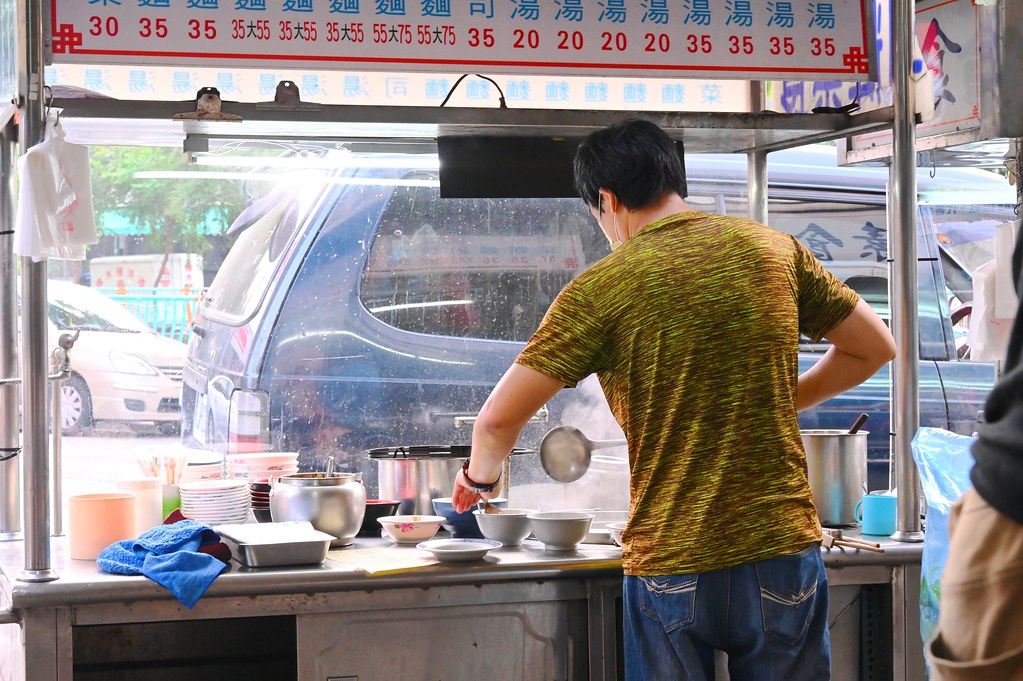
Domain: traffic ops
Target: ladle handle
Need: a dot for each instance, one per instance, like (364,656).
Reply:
(858,423)
(602,444)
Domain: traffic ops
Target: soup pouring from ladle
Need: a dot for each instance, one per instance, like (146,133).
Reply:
(565,452)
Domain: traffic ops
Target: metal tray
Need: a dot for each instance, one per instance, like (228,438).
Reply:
(275,544)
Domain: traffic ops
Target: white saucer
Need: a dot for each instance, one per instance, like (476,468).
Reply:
(459,549)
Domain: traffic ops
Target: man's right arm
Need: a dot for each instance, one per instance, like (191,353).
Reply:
(860,346)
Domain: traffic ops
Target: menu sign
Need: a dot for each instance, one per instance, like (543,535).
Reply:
(739,39)
(948,95)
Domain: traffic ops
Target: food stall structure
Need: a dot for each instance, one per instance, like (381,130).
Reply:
(520,613)
(525,612)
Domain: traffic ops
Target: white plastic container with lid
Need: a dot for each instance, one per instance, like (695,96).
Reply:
(148,501)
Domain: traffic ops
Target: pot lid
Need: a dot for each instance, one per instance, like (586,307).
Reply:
(430,452)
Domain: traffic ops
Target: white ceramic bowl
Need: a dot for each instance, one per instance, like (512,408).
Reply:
(616,530)
(410,529)
(509,527)
(561,530)
(461,525)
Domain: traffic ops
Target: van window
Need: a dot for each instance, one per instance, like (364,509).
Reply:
(266,228)
(475,268)
(966,234)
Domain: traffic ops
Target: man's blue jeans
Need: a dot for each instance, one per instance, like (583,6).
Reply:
(771,617)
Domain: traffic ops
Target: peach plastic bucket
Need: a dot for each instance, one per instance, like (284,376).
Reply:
(98,520)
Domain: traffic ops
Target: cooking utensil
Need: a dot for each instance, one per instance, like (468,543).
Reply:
(858,423)
(489,508)
(828,540)
(334,505)
(836,467)
(838,533)
(565,452)
(415,475)
(330,466)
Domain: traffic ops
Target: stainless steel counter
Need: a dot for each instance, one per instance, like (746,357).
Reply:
(83,582)
(565,600)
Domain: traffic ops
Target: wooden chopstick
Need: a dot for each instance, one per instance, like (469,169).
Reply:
(866,546)
(855,540)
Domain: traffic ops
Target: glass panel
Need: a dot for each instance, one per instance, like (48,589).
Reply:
(77,308)
(474,268)
(264,230)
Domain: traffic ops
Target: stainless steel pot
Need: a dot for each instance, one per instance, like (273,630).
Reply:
(836,463)
(416,482)
(419,474)
(335,505)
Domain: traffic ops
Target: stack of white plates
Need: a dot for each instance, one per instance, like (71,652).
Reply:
(204,466)
(215,502)
(261,466)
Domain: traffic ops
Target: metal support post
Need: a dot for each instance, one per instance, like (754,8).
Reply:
(10,432)
(757,162)
(34,360)
(905,298)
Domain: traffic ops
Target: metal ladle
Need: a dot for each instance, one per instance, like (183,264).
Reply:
(565,452)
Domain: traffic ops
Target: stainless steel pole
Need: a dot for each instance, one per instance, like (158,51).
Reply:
(56,453)
(902,249)
(34,357)
(757,162)
(35,431)
(10,435)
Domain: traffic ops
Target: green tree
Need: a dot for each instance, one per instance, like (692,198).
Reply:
(175,213)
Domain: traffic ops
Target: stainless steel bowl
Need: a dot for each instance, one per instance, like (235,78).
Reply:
(335,505)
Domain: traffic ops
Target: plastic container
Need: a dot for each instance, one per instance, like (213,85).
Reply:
(98,520)
(148,501)
(170,499)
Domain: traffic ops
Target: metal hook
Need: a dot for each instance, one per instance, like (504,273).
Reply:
(934,170)
(48,106)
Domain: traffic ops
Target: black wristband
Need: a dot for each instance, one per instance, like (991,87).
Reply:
(476,486)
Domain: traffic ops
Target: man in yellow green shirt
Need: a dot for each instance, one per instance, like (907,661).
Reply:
(721,551)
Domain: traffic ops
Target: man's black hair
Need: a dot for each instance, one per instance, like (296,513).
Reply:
(635,160)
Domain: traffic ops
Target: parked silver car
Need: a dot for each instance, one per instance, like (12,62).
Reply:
(121,370)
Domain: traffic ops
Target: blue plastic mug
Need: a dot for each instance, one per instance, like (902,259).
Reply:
(876,513)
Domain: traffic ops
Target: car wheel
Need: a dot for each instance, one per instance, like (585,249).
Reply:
(75,406)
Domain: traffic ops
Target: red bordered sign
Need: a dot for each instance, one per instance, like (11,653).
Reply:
(740,39)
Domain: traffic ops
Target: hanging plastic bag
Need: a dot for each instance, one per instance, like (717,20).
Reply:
(55,215)
(944,460)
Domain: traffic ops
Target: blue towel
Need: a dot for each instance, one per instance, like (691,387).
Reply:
(169,555)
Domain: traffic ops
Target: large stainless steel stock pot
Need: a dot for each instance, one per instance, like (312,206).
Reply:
(418,474)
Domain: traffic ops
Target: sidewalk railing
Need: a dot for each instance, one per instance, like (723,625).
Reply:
(168,313)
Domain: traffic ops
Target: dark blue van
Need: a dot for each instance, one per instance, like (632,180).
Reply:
(359,310)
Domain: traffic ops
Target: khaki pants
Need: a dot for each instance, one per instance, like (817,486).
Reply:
(980,625)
